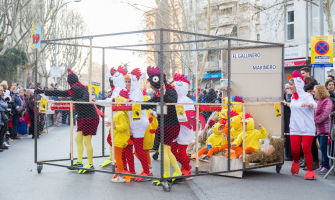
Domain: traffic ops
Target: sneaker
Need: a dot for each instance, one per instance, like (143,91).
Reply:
(43,131)
(29,136)
(318,169)
(6,144)
(204,159)
(119,179)
(19,135)
(185,173)
(10,140)
(323,171)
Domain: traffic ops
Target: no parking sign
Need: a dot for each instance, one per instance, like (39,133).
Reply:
(322,50)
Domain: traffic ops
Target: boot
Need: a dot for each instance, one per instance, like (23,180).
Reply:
(295,168)
(310,175)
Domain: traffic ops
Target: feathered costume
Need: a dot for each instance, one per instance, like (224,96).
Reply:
(186,133)
(138,128)
(302,126)
(171,123)
(87,118)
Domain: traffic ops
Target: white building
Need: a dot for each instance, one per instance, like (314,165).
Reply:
(260,20)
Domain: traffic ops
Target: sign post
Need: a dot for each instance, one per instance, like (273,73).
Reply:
(35,36)
(322,52)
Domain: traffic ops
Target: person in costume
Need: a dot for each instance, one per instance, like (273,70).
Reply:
(187,128)
(121,137)
(118,83)
(235,125)
(217,139)
(137,128)
(302,125)
(252,137)
(171,123)
(87,118)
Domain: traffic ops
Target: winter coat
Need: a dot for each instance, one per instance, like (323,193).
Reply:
(324,109)
(3,107)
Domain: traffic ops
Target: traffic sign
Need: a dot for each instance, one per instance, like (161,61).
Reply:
(35,36)
(322,51)
(322,47)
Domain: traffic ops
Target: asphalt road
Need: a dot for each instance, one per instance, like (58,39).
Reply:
(20,180)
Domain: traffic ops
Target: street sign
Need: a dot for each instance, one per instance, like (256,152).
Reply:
(35,36)
(55,72)
(322,51)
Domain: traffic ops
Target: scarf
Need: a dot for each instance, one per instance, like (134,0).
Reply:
(23,101)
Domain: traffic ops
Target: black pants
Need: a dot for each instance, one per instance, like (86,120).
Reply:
(31,127)
(2,133)
(288,147)
(15,122)
(315,152)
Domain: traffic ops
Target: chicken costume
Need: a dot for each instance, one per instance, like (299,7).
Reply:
(118,84)
(171,123)
(121,137)
(87,118)
(252,137)
(217,140)
(186,133)
(302,125)
(138,128)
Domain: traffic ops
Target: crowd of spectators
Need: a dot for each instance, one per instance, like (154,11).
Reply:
(18,112)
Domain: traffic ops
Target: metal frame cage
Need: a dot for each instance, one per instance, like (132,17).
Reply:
(211,107)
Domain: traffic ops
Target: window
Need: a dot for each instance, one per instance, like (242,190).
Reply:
(213,55)
(226,11)
(233,32)
(290,23)
(258,37)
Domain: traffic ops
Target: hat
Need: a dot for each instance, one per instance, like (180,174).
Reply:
(38,83)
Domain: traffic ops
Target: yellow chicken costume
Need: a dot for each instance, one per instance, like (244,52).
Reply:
(217,140)
(121,137)
(252,137)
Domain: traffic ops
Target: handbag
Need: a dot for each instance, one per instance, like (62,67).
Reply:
(4,117)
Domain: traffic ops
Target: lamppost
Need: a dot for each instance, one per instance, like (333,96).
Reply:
(55,46)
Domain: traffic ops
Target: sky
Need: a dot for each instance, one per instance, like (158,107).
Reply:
(112,16)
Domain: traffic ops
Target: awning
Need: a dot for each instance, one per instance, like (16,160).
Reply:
(212,75)
(293,63)
(225,30)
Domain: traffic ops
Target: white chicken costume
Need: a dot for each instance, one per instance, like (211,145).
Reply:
(138,128)
(186,133)
(302,125)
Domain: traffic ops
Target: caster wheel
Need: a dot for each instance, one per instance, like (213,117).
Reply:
(278,168)
(167,186)
(155,156)
(39,168)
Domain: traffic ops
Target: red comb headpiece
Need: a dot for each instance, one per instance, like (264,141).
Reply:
(297,74)
(153,71)
(122,70)
(124,94)
(113,71)
(211,123)
(180,77)
(238,99)
(247,115)
(69,71)
(137,72)
(233,113)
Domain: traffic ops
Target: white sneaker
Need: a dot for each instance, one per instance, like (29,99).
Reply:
(119,179)
(30,136)
(6,144)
